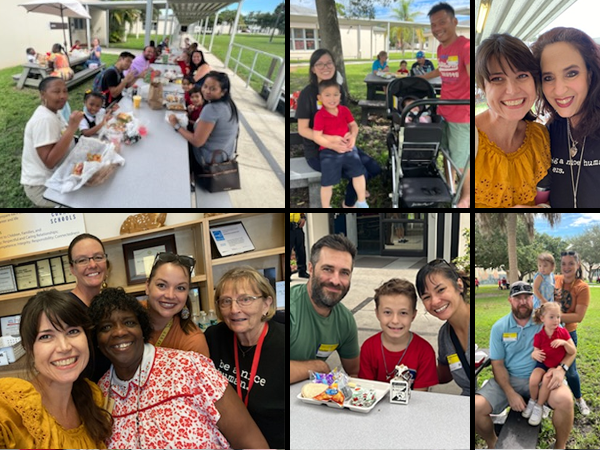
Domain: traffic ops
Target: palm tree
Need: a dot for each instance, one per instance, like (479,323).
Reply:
(508,223)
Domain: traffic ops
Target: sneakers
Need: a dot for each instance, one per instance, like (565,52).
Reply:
(536,416)
(361,204)
(583,407)
(527,412)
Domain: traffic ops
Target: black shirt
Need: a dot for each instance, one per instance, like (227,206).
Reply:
(266,404)
(563,179)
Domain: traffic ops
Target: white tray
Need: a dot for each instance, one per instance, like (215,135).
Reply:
(381,389)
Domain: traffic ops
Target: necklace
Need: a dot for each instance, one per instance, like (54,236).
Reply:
(389,375)
(245,351)
(572,152)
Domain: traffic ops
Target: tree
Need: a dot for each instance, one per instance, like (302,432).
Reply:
(508,222)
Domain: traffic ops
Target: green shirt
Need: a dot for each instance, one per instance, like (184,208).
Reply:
(313,336)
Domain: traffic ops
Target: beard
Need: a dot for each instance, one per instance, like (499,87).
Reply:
(326,299)
(522,312)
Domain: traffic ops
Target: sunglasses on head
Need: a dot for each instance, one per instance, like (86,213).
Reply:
(186,261)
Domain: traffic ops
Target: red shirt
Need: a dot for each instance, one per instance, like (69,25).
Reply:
(456,83)
(553,355)
(333,125)
(420,359)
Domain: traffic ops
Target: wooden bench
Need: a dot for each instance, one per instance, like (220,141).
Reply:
(371,106)
(517,433)
(205,199)
(301,176)
(24,78)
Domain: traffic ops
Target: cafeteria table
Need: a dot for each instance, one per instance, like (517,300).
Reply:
(429,421)
(156,170)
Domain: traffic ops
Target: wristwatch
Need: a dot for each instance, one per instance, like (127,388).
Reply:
(176,128)
(565,367)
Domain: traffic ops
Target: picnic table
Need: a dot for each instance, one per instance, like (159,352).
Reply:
(156,170)
(375,83)
(430,420)
(33,74)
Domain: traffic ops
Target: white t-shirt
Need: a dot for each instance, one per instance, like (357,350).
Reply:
(44,128)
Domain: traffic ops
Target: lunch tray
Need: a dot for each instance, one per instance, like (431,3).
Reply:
(381,389)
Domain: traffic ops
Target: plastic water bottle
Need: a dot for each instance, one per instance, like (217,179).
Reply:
(212,317)
(204,322)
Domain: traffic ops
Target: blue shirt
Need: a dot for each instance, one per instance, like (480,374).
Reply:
(377,65)
(514,344)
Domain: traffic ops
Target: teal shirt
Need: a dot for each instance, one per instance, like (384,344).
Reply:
(514,344)
(313,336)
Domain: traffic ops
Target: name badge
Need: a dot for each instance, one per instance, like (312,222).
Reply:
(454,362)
(509,337)
(325,350)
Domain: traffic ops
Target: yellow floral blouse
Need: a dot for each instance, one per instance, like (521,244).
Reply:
(505,180)
(25,423)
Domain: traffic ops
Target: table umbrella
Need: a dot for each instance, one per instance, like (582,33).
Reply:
(62,8)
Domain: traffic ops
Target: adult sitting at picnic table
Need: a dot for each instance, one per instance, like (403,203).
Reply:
(58,62)
(511,346)
(141,63)
(47,140)
(161,397)
(199,68)
(95,54)
(422,66)
(442,289)
(218,124)
(323,67)
(114,81)
(319,325)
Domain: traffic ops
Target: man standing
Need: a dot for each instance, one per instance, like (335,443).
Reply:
(297,222)
(454,67)
(511,345)
(319,324)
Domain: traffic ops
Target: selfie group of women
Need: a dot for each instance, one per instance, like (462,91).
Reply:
(521,163)
(109,371)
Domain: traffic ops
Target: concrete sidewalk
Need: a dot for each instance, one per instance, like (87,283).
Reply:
(369,273)
(261,144)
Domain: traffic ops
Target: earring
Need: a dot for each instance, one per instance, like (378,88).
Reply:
(185,313)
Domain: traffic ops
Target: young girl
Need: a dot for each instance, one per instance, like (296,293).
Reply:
(94,116)
(550,346)
(395,308)
(543,283)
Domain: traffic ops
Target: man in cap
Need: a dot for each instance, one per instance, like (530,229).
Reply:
(511,345)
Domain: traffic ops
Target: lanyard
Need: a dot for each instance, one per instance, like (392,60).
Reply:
(164,333)
(255,361)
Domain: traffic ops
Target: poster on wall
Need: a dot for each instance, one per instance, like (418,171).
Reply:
(21,234)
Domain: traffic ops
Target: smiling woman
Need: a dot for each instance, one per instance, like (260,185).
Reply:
(514,151)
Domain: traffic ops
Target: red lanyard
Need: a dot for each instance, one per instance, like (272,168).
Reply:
(255,361)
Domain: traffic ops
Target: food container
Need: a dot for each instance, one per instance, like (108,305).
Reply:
(379,389)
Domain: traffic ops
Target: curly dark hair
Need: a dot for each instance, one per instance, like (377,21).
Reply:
(116,299)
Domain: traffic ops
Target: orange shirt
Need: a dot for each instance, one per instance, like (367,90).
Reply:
(176,337)
(576,293)
(504,180)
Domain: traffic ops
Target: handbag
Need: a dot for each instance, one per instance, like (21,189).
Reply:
(219,177)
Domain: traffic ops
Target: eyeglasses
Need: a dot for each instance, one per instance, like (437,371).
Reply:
(84,261)
(321,66)
(186,261)
(243,302)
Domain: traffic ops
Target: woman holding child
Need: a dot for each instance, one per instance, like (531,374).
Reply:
(573,293)
(323,67)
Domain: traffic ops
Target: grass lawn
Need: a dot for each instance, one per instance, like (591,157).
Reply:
(492,304)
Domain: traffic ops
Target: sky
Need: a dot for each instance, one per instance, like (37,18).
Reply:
(582,15)
(385,12)
(570,224)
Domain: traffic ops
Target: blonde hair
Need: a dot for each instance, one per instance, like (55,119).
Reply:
(543,310)
(546,257)
(248,275)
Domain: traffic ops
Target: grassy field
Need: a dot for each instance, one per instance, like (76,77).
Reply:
(492,304)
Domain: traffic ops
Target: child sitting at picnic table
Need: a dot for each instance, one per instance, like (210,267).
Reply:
(380,64)
(334,119)
(396,308)
(550,346)
(94,115)
(59,63)
(403,71)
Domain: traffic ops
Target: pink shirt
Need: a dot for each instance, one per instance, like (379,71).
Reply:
(456,83)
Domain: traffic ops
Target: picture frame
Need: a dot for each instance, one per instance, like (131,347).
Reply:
(139,256)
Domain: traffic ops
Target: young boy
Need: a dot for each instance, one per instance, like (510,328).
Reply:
(334,119)
(396,308)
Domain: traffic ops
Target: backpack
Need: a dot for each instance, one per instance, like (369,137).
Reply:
(97,84)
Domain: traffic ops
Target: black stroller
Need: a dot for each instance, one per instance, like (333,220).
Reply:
(414,144)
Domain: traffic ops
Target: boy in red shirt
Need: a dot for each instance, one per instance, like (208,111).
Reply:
(331,120)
